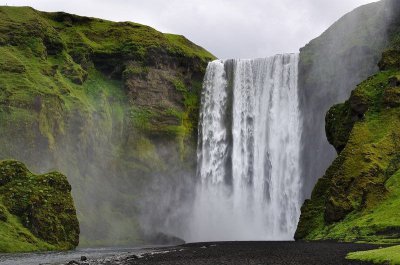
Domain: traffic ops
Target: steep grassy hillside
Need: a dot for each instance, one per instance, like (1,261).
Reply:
(113,105)
(36,211)
(330,67)
(358,199)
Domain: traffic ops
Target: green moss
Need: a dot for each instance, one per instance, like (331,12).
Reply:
(180,86)
(390,59)
(135,70)
(175,113)
(16,238)
(338,125)
(179,44)
(73,71)
(390,255)
(377,223)
(65,102)
(357,198)
(152,120)
(141,118)
(37,211)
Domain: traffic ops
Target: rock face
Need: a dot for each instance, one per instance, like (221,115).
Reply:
(329,69)
(36,211)
(112,105)
(359,195)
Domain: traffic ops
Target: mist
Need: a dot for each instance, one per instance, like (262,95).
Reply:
(131,188)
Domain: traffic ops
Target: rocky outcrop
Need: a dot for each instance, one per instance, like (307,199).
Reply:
(37,212)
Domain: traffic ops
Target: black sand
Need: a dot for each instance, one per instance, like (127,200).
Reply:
(250,253)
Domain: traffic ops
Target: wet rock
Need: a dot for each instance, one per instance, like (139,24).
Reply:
(394,81)
(391,97)
(132,257)
(164,239)
(359,105)
(337,209)
(83,258)
(390,60)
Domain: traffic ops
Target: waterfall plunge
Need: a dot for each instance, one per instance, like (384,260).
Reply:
(248,151)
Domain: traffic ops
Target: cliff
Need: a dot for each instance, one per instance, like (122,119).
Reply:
(36,211)
(112,105)
(358,197)
(330,67)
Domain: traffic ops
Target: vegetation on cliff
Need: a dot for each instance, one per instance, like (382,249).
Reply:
(36,211)
(359,196)
(330,67)
(112,105)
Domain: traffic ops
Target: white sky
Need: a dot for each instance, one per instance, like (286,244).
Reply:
(227,28)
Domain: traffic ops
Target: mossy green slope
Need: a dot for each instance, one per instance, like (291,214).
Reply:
(36,211)
(330,67)
(112,105)
(390,255)
(359,196)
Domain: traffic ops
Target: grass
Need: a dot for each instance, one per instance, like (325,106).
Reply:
(373,224)
(16,238)
(390,255)
(179,44)
(37,211)
(66,103)
(358,198)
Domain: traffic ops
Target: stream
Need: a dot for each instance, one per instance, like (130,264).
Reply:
(54,258)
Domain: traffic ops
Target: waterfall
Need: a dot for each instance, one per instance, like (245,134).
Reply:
(248,151)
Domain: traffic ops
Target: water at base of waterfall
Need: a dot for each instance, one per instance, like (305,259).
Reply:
(63,257)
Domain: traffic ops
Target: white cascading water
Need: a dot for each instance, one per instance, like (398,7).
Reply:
(248,151)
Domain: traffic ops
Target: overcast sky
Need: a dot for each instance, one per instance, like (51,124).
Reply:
(227,28)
